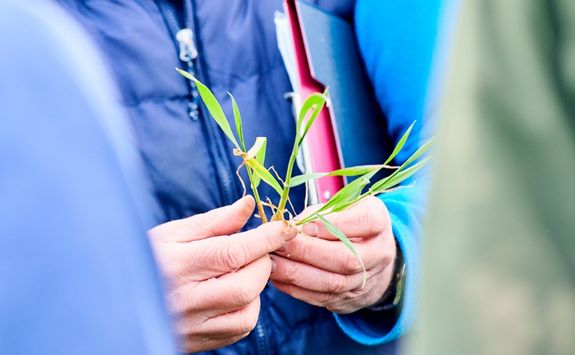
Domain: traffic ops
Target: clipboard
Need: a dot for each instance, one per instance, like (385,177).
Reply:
(320,51)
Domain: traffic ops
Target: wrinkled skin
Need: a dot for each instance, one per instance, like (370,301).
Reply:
(317,268)
(214,275)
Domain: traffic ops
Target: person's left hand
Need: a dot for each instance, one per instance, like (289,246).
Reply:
(317,268)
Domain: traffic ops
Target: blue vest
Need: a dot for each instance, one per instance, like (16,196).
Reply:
(188,159)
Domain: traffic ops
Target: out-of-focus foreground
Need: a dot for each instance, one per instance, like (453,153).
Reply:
(499,261)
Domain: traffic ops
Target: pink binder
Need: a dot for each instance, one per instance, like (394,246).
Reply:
(321,141)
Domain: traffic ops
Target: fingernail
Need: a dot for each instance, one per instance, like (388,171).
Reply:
(274,266)
(243,199)
(288,233)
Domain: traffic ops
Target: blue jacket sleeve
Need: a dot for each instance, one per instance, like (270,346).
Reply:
(399,43)
(375,327)
(77,274)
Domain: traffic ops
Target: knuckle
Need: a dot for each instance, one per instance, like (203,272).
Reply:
(248,322)
(290,273)
(371,219)
(337,283)
(232,255)
(339,309)
(246,326)
(270,242)
(244,294)
(364,218)
(372,298)
(350,264)
(325,299)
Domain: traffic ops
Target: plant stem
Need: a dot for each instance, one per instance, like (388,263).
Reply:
(261,211)
(289,171)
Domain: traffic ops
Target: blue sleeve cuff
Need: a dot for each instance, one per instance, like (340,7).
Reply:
(374,327)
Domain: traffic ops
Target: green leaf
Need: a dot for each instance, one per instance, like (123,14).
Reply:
(258,152)
(348,193)
(400,144)
(238,121)
(213,106)
(260,171)
(255,149)
(400,177)
(346,205)
(418,153)
(261,155)
(314,104)
(351,171)
(336,232)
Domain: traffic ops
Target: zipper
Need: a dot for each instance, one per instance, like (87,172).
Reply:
(261,338)
(188,54)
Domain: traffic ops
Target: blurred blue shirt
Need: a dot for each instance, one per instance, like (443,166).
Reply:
(77,274)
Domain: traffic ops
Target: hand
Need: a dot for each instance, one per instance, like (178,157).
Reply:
(317,268)
(214,279)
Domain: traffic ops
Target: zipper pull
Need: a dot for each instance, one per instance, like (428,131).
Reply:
(188,50)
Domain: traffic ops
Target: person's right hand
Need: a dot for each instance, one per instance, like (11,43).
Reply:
(214,277)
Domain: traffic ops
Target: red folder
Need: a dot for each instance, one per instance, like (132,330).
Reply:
(320,146)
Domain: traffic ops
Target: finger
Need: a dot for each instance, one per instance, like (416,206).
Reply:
(192,343)
(311,278)
(221,255)
(366,219)
(331,255)
(224,294)
(220,221)
(320,299)
(208,258)
(218,331)
(236,323)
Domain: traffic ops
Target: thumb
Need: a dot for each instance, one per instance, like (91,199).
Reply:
(220,221)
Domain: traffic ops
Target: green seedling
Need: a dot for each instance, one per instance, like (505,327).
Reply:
(253,159)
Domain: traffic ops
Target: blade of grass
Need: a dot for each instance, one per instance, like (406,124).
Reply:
(418,153)
(213,106)
(351,171)
(347,193)
(258,152)
(261,158)
(314,102)
(254,180)
(315,99)
(238,122)
(401,176)
(264,174)
(400,144)
(336,232)
(259,144)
